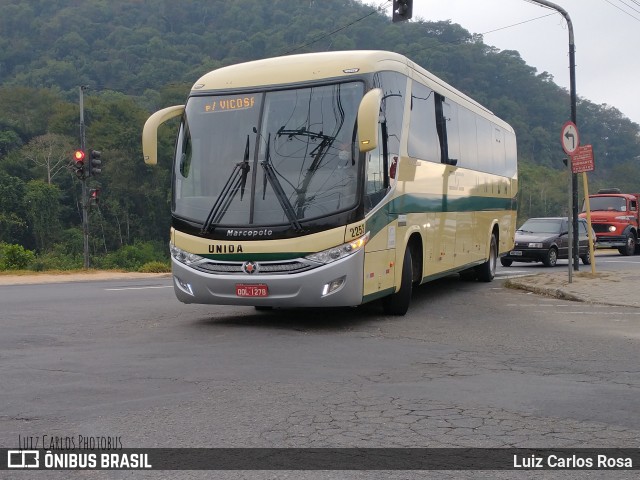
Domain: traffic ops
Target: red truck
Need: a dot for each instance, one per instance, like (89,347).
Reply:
(615,219)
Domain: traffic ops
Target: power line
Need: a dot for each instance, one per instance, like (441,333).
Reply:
(323,36)
(517,24)
(488,32)
(622,10)
(635,2)
(630,6)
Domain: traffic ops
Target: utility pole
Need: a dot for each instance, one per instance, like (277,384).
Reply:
(85,195)
(573,203)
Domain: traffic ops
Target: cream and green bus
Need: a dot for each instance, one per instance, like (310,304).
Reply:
(333,179)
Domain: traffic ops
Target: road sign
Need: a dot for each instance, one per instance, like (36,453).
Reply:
(582,159)
(569,138)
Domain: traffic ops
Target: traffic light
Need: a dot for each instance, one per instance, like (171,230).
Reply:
(402,10)
(94,163)
(94,196)
(78,163)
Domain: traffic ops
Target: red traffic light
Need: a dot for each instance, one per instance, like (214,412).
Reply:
(78,156)
(94,196)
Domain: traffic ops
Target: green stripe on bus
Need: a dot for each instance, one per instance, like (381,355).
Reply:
(410,203)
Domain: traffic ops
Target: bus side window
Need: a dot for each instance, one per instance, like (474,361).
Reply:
(423,142)
(450,113)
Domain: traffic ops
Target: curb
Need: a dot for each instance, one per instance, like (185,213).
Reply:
(547,292)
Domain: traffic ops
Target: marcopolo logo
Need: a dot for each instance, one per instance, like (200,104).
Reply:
(23,459)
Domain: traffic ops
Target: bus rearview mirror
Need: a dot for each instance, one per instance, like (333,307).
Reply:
(368,114)
(150,132)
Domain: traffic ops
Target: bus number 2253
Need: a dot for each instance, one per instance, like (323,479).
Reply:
(357,231)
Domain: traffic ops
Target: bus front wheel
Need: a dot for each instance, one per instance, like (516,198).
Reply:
(487,271)
(398,303)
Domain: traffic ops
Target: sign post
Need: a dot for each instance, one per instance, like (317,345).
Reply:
(582,162)
(570,141)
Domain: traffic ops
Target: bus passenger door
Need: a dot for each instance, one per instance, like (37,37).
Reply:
(380,251)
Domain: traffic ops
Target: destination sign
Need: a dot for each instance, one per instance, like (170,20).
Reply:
(230,104)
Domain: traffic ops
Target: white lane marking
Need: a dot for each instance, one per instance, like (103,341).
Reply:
(599,260)
(591,313)
(135,288)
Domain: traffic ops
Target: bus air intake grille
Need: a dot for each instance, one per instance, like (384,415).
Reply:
(264,268)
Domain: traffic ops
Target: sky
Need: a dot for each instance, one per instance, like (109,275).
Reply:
(606,32)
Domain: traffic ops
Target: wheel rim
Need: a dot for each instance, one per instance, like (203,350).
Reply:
(553,257)
(493,263)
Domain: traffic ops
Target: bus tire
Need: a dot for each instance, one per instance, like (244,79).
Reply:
(487,271)
(398,303)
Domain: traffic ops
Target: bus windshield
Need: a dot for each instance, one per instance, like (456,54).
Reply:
(268,158)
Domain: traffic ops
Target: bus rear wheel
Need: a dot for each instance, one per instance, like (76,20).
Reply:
(398,303)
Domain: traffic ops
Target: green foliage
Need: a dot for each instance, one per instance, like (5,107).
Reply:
(543,191)
(56,260)
(12,208)
(15,257)
(43,211)
(155,267)
(133,257)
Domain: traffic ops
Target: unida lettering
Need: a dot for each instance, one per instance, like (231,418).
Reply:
(249,233)
(225,248)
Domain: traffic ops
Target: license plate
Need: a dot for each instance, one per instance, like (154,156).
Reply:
(515,253)
(252,290)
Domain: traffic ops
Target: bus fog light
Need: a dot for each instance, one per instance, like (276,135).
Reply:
(186,287)
(333,286)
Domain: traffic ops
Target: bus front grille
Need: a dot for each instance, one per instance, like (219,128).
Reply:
(262,268)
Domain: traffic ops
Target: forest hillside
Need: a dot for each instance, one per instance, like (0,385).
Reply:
(137,56)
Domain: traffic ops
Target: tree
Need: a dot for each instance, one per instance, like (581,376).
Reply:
(12,211)
(43,211)
(49,152)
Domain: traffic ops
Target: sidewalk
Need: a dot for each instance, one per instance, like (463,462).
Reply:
(36,278)
(607,288)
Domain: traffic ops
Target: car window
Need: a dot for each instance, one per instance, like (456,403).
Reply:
(541,226)
(582,227)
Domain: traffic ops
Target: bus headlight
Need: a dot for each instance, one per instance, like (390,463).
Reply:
(184,257)
(336,253)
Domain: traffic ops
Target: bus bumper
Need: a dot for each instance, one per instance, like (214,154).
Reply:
(304,289)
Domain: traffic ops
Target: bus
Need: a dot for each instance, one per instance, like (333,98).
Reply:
(333,179)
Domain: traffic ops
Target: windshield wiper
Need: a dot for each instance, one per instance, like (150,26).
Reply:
(271,176)
(236,182)
(318,154)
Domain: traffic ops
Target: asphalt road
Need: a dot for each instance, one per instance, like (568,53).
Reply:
(471,365)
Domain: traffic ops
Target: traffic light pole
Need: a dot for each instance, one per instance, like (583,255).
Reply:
(85,195)
(573,203)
